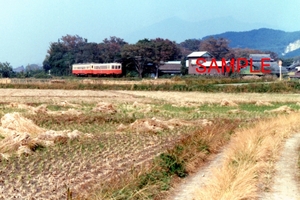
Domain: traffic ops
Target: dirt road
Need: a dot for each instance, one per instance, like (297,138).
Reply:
(285,184)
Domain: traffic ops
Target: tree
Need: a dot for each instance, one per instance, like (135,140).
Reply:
(153,52)
(219,48)
(111,49)
(6,70)
(62,54)
(244,53)
(273,55)
(188,46)
(191,44)
(164,50)
(287,61)
(140,54)
(75,49)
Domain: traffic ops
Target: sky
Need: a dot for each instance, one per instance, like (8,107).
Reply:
(28,27)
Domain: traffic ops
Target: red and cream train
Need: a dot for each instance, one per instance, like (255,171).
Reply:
(97,69)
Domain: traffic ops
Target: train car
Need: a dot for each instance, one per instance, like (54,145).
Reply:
(97,69)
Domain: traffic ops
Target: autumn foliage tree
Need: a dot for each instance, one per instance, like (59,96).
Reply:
(110,49)
(218,47)
(189,45)
(154,52)
(164,50)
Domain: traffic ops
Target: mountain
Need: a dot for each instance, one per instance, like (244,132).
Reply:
(178,30)
(286,44)
(242,34)
(19,69)
(31,67)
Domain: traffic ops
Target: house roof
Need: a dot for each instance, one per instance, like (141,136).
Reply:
(198,54)
(258,57)
(208,63)
(170,67)
(173,62)
(219,63)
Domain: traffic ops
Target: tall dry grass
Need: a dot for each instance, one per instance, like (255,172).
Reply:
(249,160)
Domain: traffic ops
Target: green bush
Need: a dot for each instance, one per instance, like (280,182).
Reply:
(172,165)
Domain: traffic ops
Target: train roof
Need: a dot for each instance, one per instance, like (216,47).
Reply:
(94,63)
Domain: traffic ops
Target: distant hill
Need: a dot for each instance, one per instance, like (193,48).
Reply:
(19,69)
(31,67)
(177,29)
(286,44)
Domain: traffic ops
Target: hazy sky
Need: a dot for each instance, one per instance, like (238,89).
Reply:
(29,26)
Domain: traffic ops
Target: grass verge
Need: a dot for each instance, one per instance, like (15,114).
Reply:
(298,165)
(249,160)
(189,84)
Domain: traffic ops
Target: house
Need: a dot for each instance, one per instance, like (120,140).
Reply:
(258,57)
(170,67)
(192,58)
(212,67)
(265,59)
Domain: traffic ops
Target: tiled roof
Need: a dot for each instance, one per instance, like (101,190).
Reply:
(258,57)
(198,54)
(170,67)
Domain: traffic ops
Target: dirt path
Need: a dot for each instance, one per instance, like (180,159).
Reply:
(285,185)
(185,190)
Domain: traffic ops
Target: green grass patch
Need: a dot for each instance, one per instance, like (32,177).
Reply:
(204,84)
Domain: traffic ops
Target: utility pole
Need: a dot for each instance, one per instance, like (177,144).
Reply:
(280,65)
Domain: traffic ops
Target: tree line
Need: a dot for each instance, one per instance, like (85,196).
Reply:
(72,49)
(144,54)
(75,49)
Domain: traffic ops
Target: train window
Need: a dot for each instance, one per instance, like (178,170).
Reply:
(113,67)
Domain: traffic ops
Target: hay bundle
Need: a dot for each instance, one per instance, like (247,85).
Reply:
(263,103)
(237,111)
(105,108)
(20,106)
(154,125)
(281,109)
(40,109)
(21,135)
(226,102)
(148,125)
(14,121)
(67,104)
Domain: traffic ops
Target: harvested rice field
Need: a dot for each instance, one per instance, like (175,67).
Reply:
(72,144)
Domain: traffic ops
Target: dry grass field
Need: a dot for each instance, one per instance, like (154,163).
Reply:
(55,144)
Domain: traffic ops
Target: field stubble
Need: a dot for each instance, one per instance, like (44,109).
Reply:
(120,132)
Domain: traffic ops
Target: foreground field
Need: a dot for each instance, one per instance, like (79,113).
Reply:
(57,142)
